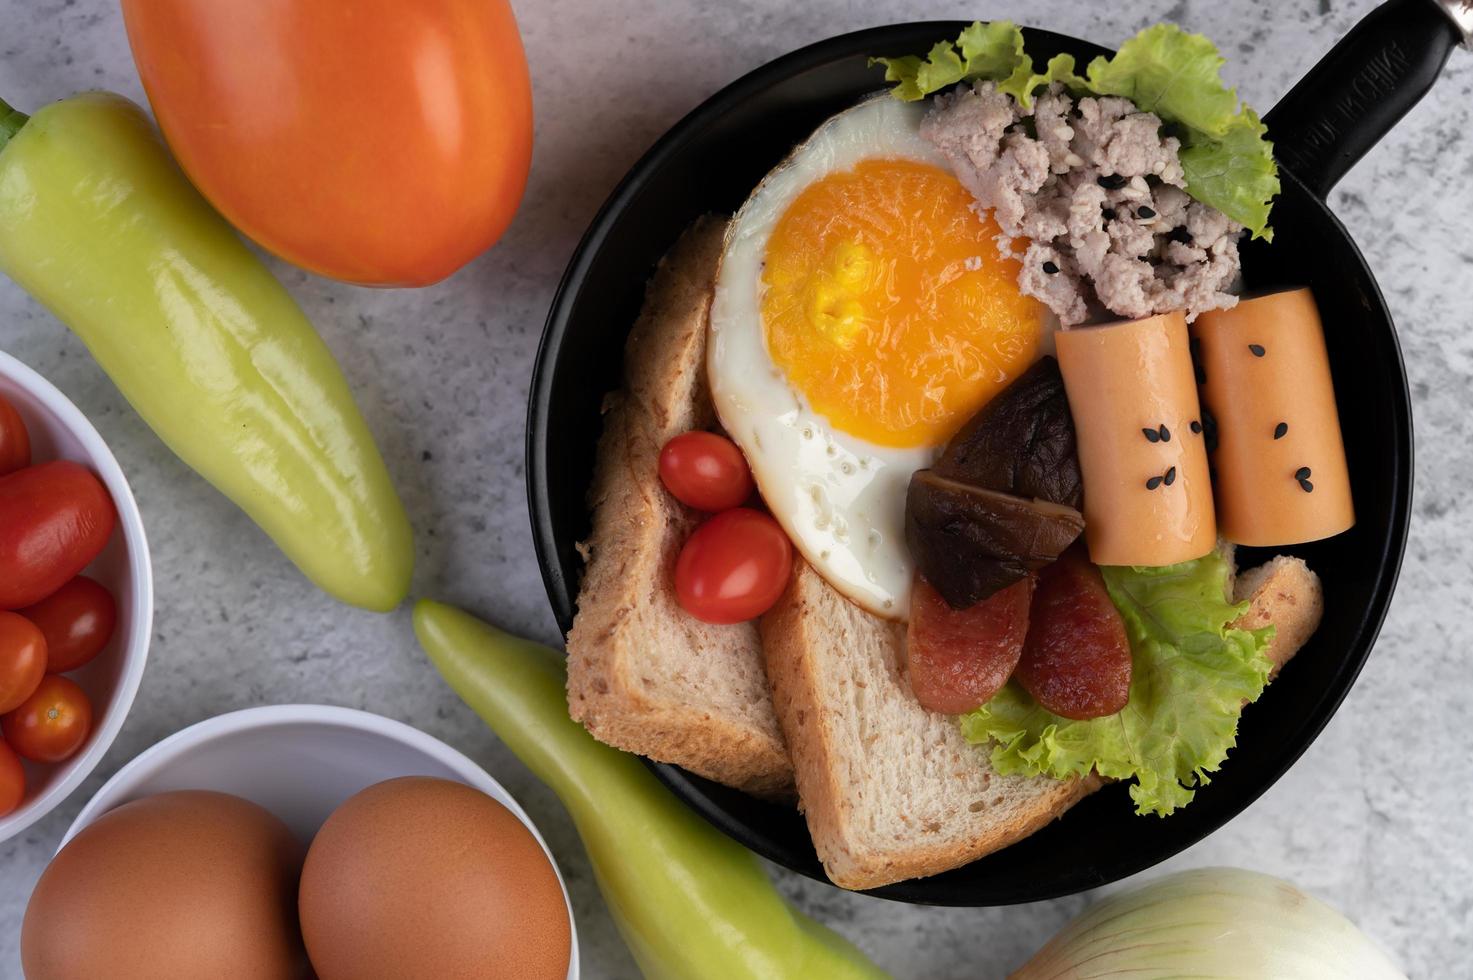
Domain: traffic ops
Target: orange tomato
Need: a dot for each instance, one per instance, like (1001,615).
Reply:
(379,142)
(22,660)
(12,780)
(52,724)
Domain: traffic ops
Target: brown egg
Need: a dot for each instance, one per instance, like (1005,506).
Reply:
(188,884)
(420,877)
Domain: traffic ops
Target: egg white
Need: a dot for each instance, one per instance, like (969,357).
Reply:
(839,497)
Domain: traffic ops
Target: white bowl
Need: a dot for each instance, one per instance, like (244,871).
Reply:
(300,761)
(58,430)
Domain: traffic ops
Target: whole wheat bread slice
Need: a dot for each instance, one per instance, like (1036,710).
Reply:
(1286,594)
(890,790)
(643,675)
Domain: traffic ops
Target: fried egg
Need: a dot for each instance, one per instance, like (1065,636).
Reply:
(862,314)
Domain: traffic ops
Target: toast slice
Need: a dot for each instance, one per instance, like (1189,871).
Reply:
(1286,594)
(643,675)
(890,790)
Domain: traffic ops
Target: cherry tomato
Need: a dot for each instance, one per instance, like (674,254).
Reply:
(12,780)
(54,519)
(22,660)
(15,442)
(734,567)
(77,620)
(376,141)
(53,722)
(705,471)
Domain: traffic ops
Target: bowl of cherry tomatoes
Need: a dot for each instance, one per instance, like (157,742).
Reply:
(76,597)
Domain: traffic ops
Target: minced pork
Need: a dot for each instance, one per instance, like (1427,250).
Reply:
(1096,190)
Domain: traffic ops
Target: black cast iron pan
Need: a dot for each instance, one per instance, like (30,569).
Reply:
(710,162)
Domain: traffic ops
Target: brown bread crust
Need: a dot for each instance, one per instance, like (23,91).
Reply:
(643,675)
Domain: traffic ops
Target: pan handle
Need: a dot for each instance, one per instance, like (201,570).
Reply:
(1362,88)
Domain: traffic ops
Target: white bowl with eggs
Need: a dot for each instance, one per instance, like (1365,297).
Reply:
(59,430)
(301,762)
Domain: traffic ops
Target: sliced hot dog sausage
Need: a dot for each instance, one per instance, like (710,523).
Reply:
(1280,459)
(1147,494)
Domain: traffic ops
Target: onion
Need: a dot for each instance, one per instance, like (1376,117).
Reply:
(1217,923)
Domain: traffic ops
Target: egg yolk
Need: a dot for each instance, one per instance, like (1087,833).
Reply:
(887,305)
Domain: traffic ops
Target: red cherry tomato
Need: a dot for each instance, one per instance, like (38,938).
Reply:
(77,621)
(705,471)
(734,567)
(22,660)
(12,780)
(53,722)
(54,519)
(15,442)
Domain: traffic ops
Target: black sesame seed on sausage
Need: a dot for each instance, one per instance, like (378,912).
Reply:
(1306,486)
(1111,182)
(1050,268)
(1170,476)
(1196,427)
(1145,212)
(1257,350)
(1281,430)
(1302,473)
(1165,433)
(1154,482)
(1151,435)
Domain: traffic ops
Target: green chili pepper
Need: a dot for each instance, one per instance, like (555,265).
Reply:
(98,223)
(690,902)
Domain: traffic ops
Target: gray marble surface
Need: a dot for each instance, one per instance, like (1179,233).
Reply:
(1375,818)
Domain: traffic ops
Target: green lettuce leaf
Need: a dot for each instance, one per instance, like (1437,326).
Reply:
(984,50)
(1024,81)
(1228,162)
(992,50)
(915,77)
(1234,172)
(1172,73)
(1190,678)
